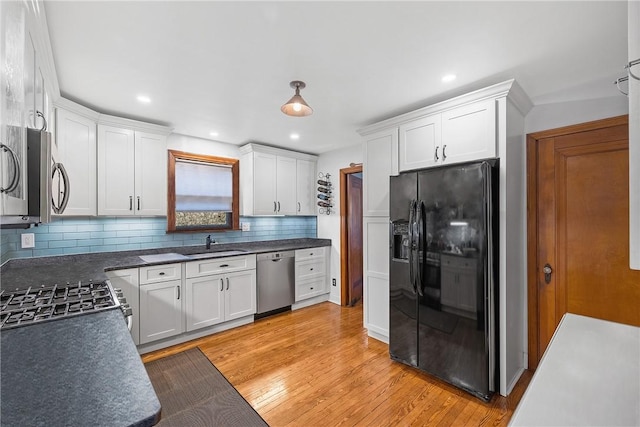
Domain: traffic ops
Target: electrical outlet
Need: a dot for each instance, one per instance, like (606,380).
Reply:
(333,281)
(246,226)
(28,240)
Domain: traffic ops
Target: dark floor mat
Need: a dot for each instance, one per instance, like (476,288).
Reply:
(193,392)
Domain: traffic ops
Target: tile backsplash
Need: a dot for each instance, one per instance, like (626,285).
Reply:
(65,236)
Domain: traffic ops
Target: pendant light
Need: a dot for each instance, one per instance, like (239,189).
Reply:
(296,106)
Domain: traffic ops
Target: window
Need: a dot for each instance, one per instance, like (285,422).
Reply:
(203,193)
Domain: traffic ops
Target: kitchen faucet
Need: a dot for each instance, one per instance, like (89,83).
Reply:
(209,241)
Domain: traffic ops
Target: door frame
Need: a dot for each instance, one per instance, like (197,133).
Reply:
(344,241)
(532,222)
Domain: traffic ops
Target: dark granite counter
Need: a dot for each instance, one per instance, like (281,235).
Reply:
(78,371)
(24,272)
(85,370)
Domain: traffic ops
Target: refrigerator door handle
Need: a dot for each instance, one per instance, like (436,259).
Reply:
(419,247)
(412,218)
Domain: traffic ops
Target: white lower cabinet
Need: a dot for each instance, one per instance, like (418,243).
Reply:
(375,232)
(311,273)
(219,290)
(161,302)
(160,310)
(219,298)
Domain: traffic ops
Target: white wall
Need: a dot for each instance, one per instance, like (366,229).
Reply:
(206,147)
(555,115)
(329,225)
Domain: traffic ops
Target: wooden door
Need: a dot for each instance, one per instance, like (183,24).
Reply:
(354,219)
(579,226)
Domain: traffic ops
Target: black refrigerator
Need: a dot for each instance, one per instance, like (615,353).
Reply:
(443,273)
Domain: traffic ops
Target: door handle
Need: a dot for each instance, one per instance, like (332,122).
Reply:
(298,206)
(444,152)
(221,284)
(278,206)
(138,197)
(227,283)
(547,270)
(436,154)
(130,203)
(178,292)
(274,207)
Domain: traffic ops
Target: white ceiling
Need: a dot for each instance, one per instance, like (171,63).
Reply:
(226,66)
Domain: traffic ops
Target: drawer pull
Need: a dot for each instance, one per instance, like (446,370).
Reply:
(224,265)
(311,269)
(311,253)
(161,273)
(311,288)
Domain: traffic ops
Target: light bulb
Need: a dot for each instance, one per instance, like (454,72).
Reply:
(297,106)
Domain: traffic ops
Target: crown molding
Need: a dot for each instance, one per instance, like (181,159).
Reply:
(509,88)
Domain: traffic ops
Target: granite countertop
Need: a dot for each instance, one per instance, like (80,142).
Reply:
(77,371)
(24,272)
(85,370)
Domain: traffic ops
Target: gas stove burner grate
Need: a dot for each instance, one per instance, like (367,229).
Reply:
(38,304)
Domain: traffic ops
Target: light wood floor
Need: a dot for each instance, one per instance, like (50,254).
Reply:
(317,366)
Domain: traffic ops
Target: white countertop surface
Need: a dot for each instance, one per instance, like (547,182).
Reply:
(588,376)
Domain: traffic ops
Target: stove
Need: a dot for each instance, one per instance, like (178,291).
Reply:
(44,303)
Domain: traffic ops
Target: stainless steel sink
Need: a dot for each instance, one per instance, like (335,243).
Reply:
(217,254)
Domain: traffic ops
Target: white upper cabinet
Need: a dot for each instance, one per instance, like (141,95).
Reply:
(116,173)
(132,172)
(469,132)
(275,181)
(76,141)
(459,134)
(13,146)
(286,171)
(420,143)
(634,133)
(150,174)
(380,162)
(264,184)
(305,187)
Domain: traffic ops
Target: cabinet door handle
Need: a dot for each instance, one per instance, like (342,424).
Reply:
(138,197)
(436,153)
(444,152)
(278,206)
(298,206)
(130,203)
(44,124)
(221,284)
(178,292)
(227,283)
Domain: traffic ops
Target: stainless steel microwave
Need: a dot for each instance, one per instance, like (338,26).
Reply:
(48,186)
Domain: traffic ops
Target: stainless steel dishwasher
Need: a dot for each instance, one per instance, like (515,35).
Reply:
(275,281)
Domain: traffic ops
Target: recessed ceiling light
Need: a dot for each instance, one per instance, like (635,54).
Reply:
(448,78)
(213,133)
(144,99)
(294,136)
